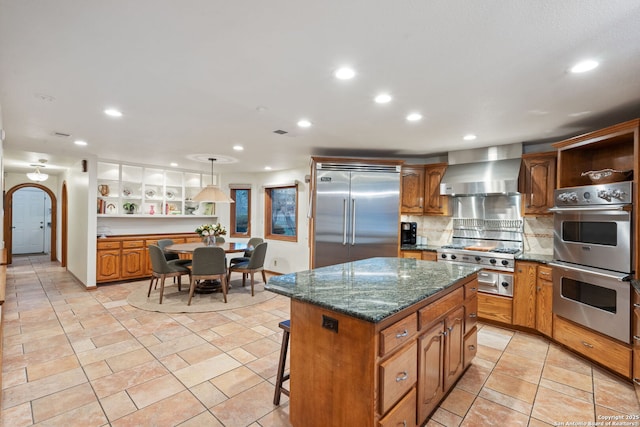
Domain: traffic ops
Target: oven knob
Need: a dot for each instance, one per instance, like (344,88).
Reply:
(492,261)
(453,257)
(478,258)
(443,256)
(562,197)
(604,194)
(505,262)
(505,284)
(618,194)
(572,197)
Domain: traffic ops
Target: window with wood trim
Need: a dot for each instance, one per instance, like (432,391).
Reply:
(281,213)
(240,212)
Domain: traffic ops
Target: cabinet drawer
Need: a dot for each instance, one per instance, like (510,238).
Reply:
(398,333)
(495,307)
(437,308)
(429,256)
(544,273)
(133,244)
(471,289)
(412,254)
(403,414)
(606,351)
(470,346)
(470,313)
(397,375)
(108,245)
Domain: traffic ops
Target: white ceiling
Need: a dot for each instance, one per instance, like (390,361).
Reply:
(195,77)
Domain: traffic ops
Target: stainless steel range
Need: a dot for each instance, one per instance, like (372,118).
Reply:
(488,232)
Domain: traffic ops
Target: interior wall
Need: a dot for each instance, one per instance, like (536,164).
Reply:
(81,256)
(282,257)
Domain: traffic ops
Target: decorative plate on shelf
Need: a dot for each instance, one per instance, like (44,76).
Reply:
(170,195)
(150,193)
(126,191)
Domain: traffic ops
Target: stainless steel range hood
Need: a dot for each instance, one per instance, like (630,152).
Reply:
(490,170)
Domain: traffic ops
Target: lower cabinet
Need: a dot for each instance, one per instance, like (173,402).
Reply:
(635,297)
(524,294)
(544,301)
(431,362)
(495,307)
(127,257)
(423,255)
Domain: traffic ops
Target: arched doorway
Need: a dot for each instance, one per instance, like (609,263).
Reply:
(8,219)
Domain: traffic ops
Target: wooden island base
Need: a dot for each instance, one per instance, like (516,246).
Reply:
(347,371)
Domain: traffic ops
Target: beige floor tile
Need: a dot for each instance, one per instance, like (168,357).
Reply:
(241,355)
(97,370)
(262,347)
(199,353)
(108,351)
(57,403)
(239,339)
(17,416)
(111,338)
(474,378)
(557,356)
(52,367)
(129,360)
(484,412)
(568,377)
(279,417)
(514,387)
(12,378)
(519,367)
(154,390)
(497,338)
(446,418)
(110,384)
(527,345)
(43,387)
(488,353)
(208,394)
(164,412)
(87,415)
(617,395)
(236,381)
(568,390)
(176,345)
(506,400)
(205,419)
(458,402)
(245,407)
(117,405)
(553,407)
(206,370)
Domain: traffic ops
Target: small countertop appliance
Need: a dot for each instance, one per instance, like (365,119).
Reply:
(408,233)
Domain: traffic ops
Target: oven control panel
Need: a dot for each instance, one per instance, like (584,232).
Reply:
(617,193)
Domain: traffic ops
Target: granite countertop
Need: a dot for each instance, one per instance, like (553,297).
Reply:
(371,289)
(430,248)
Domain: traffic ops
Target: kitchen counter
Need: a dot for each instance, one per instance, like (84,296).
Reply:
(357,330)
(541,258)
(429,248)
(371,289)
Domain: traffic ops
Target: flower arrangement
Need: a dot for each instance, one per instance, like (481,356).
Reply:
(211,230)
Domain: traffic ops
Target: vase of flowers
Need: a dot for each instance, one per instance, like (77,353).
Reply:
(209,232)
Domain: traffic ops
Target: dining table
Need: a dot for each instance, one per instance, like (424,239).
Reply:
(186,249)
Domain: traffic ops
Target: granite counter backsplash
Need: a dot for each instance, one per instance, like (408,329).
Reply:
(371,289)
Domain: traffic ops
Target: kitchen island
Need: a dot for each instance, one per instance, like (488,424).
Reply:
(378,341)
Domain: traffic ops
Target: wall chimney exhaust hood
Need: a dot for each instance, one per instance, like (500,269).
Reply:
(482,171)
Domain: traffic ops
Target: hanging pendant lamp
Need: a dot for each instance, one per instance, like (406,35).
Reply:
(211,193)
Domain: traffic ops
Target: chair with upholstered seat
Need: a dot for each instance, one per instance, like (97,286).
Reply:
(172,257)
(255,263)
(161,269)
(209,263)
(253,242)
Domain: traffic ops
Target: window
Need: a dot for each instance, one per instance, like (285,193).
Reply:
(281,208)
(240,212)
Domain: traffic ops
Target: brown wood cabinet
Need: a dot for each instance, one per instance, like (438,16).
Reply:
(390,373)
(127,257)
(544,301)
(423,255)
(636,340)
(435,204)
(524,294)
(597,347)
(412,187)
(537,182)
(495,307)
(420,190)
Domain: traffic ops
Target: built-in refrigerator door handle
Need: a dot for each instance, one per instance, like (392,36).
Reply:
(353,222)
(344,222)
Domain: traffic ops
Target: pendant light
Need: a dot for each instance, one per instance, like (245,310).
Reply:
(211,193)
(38,176)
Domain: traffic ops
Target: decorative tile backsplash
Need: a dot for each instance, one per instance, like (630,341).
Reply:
(538,232)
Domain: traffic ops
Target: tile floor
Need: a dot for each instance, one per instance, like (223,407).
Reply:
(86,358)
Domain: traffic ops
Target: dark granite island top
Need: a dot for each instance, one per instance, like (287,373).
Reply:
(371,289)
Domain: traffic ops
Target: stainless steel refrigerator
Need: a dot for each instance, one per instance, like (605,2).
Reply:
(356,212)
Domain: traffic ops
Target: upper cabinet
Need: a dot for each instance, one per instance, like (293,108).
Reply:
(412,185)
(138,190)
(537,182)
(421,190)
(610,148)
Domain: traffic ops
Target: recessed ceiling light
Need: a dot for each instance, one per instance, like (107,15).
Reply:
(414,117)
(584,66)
(238,147)
(345,73)
(173,164)
(113,112)
(580,113)
(80,142)
(469,137)
(267,168)
(382,98)
(304,123)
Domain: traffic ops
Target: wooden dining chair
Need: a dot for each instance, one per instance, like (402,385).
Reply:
(255,263)
(209,263)
(161,269)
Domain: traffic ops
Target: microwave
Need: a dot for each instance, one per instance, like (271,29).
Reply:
(408,233)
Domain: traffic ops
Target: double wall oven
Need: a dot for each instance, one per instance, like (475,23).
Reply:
(593,257)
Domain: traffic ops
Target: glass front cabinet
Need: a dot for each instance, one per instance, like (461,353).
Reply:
(147,191)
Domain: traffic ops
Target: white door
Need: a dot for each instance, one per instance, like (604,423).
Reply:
(28,221)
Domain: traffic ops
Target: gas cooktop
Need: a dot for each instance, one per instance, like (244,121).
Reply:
(496,258)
